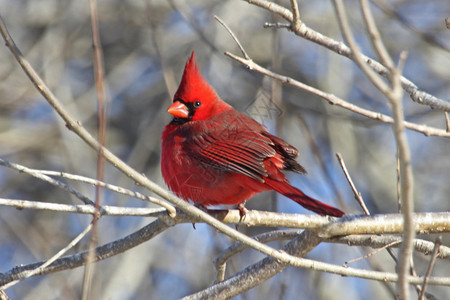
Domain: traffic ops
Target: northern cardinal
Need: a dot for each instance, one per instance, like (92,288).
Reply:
(213,154)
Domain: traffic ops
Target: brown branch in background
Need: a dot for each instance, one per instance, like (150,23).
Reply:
(437,244)
(99,73)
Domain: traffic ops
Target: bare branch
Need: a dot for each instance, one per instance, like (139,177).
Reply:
(269,267)
(84,209)
(101,252)
(233,217)
(48,179)
(406,178)
(415,93)
(356,54)
(379,241)
(233,36)
(332,99)
(221,261)
(42,267)
(43,175)
(437,245)
(374,252)
(357,194)
(295,16)
(102,123)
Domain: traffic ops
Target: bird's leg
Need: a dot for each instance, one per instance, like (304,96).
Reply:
(242,210)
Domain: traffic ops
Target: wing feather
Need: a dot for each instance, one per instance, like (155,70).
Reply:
(243,152)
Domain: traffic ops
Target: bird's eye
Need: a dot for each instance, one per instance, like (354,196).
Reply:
(197,104)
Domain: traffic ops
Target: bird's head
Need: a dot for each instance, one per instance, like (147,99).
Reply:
(195,99)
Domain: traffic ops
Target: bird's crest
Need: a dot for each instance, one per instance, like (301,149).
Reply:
(192,85)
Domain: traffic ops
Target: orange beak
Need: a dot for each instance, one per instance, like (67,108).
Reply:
(178,110)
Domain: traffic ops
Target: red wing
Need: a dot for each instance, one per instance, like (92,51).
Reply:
(237,151)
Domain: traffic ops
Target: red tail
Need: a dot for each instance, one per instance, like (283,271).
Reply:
(307,202)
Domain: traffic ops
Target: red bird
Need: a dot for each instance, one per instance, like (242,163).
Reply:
(213,154)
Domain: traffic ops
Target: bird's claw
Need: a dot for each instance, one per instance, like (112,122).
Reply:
(242,211)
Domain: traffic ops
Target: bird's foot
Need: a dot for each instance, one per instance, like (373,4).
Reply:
(242,211)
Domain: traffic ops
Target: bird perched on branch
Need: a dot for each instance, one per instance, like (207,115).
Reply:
(212,154)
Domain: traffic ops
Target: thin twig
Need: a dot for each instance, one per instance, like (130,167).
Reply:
(277,25)
(101,118)
(305,32)
(332,99)
(437,245)
(357,194)
(318,152)
(356,54)
(80,178)
(233,36)
(105,210)
(277,235)
(268,267)
(295,16)
(373,252)
(42,267)
(374,34)
(48,179)
(105,185)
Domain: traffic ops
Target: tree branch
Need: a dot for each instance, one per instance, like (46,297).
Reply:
(332,99)
(415,93)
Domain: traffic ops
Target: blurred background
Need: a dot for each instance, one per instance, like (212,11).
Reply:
(146,44)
